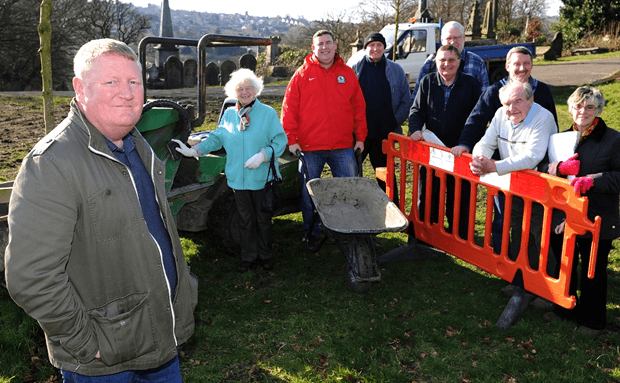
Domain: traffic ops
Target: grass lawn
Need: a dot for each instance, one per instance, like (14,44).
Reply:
(425,321)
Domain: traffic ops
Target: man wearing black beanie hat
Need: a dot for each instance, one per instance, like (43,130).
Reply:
(374,36)
(388,99)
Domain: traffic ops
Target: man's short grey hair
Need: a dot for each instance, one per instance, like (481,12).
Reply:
(529,94)
(520,49)
(584,94)
(239,76)
(452,25)
(84,58)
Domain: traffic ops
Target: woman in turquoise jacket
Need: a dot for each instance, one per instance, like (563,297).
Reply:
(250,133)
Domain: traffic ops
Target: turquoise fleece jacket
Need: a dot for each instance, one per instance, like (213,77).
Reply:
(264,130)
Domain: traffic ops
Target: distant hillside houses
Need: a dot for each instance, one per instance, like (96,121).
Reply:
(193,25)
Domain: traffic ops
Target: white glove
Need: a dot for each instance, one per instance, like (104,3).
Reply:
(184,150)
(257,159)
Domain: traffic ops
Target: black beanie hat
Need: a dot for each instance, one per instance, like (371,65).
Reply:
(374,36)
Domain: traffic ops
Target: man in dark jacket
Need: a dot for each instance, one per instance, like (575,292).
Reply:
(443,103)
(93,254)
(388,99)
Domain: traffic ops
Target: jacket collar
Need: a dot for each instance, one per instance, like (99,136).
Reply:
(598,132)
(440,80)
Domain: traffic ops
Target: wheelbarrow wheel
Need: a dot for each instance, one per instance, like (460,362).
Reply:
(359,255)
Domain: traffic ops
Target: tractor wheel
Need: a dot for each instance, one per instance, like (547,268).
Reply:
(497,74)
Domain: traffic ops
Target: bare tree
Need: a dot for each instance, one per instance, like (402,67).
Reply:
(343,28)
(376,14)
(114,19)
(515,13)
(73,24)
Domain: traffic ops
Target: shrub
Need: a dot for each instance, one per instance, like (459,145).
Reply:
(290,58)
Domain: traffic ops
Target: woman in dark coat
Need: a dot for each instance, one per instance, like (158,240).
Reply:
(596,167)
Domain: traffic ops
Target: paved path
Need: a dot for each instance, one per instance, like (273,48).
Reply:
(576,73)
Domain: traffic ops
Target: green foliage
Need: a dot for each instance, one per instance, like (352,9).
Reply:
(291,58)
(507,32)
(577,17)
(571,31)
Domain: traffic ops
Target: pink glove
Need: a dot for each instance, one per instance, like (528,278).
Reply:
(582,183)
(570,167)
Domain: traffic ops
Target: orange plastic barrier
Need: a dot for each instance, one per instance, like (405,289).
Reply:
(533,187)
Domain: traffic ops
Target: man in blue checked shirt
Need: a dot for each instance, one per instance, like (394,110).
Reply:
(453,33)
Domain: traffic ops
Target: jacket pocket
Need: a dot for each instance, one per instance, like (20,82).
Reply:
(104,206)
(124,329)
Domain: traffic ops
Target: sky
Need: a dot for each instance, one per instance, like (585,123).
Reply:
(316,10)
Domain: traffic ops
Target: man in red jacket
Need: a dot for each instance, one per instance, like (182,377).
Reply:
(324,116)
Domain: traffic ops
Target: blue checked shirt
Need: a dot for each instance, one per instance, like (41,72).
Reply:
(471,64)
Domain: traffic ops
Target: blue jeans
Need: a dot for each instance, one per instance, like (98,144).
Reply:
(169,372)
(342,164)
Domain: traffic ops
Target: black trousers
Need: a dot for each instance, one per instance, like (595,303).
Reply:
(254,225)
(533,245)
(450,200)
(372,149)
(590,310)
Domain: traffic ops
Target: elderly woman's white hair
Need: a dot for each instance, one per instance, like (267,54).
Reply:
(584,94)
(239,76)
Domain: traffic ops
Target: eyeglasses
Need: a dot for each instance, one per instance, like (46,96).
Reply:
(588,107)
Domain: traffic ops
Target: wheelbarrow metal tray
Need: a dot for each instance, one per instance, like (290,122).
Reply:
(355,205)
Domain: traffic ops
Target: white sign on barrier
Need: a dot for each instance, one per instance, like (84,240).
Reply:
(441,159)
(502,182)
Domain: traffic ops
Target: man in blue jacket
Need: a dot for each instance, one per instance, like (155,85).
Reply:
(388,99)
(443,103)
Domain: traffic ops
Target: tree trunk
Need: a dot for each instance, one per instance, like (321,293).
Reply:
(396,21)
(45,51)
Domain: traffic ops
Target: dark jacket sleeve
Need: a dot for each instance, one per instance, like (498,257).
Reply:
(480,116)
(417,113)
(544,98)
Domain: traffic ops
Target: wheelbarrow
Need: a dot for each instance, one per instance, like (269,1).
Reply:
(352,211)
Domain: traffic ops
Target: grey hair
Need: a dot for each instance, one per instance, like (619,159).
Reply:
(520,49)
(452,25)
(83,60)
(240,76)
(587,93)
(529,94)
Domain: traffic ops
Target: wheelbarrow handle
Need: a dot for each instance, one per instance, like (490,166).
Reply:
(358,159)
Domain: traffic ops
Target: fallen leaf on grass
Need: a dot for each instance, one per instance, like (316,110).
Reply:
(450,331)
